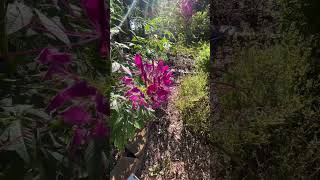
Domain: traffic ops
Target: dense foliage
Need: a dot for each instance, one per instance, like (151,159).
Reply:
(268,98)
(266,121)
(54,104)
(141,48)
(263,112)
(63,115)
(193,102)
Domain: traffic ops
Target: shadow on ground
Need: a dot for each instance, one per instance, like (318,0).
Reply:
(172,151)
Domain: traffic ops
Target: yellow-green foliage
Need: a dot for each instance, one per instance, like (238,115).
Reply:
(200,26)
(264,92)
(266,121)
(202,57)
(181,49)
(193,101)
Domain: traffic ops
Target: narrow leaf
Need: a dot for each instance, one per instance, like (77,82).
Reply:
(115,67)
(18,16)
(127,70)
(54,28)
(16,140)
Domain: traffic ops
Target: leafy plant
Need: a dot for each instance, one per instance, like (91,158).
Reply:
(200,26)
(153,86)
(202,57)
(75,115)
(265,116)
(157,44)
(135,99)
(53,143)
(193,102)
(125,120)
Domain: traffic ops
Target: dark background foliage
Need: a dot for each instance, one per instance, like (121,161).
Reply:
(33,143)
(266,112)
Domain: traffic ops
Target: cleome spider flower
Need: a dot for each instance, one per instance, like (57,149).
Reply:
(81,106)
(186,8)
(97,13)
(154,87)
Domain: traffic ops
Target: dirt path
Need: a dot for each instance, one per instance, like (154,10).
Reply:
(172,151)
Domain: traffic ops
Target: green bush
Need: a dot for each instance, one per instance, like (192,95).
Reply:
(202,57)
(200,26)
(265,120)
(193,102)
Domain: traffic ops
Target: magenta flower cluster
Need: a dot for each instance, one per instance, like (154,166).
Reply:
(99,16)
(186,8)
(156,87)
(81,106)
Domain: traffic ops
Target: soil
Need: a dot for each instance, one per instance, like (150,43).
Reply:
(172,151)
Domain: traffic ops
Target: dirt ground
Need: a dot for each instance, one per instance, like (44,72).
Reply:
(172,151)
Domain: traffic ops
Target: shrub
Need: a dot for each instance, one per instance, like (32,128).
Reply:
(200,26)
(265,120)
(203,57)
(193,102)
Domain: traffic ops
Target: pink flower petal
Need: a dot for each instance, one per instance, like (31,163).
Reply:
(43,57)
(138,61)
(79,138)
(60,58)
(142,102)
(186,8)
(101,104)
(151,89)
(157,77)
(75,116)
(80,89)
(134,98)
(52,56)
(57,101)
(100,130)
(97,13)
(54,70)
(104,47)
(165,68)
(127,80)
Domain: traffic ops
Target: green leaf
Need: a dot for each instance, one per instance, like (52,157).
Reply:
(53,27)
(127,70)
(114,105)
(15,140)
(57,156)
(115,67)
(137,124)
(121,45)
(18,16)
(94,161)
(6,102)
(39,113)
(17,109)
